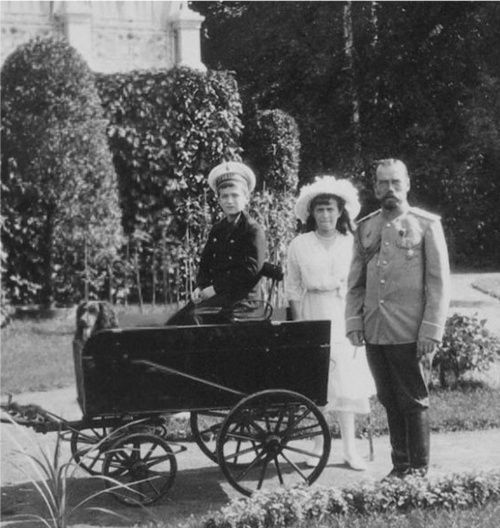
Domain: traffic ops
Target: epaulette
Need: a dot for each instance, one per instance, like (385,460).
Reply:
(424,214)
(367,217)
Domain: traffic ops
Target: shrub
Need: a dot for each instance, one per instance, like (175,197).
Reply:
(167,129)
(467,346)
(282,508)
(272,146)
(60,197)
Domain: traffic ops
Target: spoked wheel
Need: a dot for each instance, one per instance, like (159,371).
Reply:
(270,435)
(141,468)
(88,447)
(205,426)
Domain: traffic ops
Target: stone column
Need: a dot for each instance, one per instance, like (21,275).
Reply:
(185,26)
(76,20)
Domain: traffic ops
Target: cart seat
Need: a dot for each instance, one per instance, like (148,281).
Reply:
(255,310)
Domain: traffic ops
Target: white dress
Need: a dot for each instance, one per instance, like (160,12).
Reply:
(317,278)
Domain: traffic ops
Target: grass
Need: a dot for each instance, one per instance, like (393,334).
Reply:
(469,408)
(37,353)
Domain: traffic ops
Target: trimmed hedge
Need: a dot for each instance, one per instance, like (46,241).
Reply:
(167,129)
(272,146)
(283,508)
(59,190)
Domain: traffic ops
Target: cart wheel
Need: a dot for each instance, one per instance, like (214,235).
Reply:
(141,468)
(281,426)
(88,446)
(205,426)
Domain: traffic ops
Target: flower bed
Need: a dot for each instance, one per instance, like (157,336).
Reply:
(283,508)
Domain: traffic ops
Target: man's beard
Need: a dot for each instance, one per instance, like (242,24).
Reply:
(390,202)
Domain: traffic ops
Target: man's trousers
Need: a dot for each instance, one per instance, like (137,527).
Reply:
(402,389)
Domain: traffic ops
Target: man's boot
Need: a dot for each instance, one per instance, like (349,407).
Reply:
(399,454)
(418,441)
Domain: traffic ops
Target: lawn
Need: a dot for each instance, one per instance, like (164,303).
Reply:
(37,353)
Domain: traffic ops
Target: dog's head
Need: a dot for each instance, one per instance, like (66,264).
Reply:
(92,316)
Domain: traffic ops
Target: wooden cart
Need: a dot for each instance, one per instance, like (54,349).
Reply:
(252,389)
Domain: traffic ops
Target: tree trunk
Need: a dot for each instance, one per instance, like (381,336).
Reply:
(47,291)
(351,81)
(110,283)
(86,271)
(164,269)
(374,45)
(138,280)
(153,278)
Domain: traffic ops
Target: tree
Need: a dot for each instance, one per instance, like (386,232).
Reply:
(367,80)
(60,196)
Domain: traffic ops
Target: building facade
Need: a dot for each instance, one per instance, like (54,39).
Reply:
(112,36)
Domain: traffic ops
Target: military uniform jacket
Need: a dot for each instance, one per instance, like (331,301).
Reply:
(232,258)
(398,285)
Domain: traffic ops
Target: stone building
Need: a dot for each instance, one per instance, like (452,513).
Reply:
(112,36)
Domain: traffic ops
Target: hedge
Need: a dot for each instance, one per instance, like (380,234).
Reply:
(167,129)
(59,190)
(272,146)
(283,508)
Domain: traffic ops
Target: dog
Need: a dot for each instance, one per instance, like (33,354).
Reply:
(92,316)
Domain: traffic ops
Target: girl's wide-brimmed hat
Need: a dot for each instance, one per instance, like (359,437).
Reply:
(231,171)
(327,185)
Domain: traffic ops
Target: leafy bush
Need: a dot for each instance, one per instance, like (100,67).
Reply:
(272,145)
(282,508)
(167,129)
(467,346)
(60,197)
(275,213)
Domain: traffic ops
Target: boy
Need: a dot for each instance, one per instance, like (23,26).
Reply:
(234,254)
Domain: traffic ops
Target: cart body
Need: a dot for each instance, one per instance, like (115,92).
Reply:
(142,371)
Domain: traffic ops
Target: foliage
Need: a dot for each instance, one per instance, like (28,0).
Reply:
(50,476)
(467,346)
(60,193)
(275,213)
(272,145)
(424,77)
(167,129)
(284,508)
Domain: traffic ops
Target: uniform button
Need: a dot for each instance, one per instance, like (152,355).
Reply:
(381,301)
(386,243)
(230,258)
(387,225)
(382,281)
(384,262)
(213,255)
(231,241)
